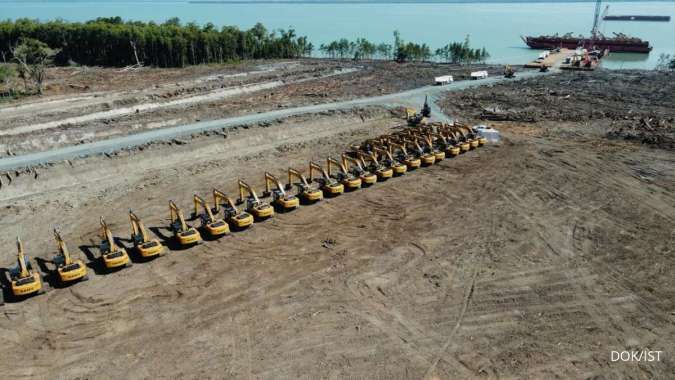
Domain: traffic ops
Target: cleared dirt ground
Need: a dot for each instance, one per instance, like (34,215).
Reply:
(89,104)
(533,258)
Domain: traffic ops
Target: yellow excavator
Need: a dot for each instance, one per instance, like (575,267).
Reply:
(415,119)
(447,143)
(306,191)
(370,163)
(112,255)
(145,246)
(282,200)
(24,280)
(350,181)
(429,147)
(427,158)
(467,134)
(401,154)
(214,227)
(356,168)
(259,209)
(464,144)
(329,185)
(237,219)
(388,160)
(183,233)
(474,139)
(68,269)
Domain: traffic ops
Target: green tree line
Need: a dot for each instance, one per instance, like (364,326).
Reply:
(114,42)
(453,52)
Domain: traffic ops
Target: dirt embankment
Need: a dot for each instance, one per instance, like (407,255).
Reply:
(637,105)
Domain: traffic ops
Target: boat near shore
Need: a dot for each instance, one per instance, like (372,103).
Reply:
(619,43)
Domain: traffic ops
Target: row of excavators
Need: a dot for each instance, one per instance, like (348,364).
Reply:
(362,165)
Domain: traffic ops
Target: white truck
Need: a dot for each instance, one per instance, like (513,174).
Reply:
(479,74)
(444,79)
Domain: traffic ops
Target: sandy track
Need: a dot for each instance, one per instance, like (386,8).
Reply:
(525,259)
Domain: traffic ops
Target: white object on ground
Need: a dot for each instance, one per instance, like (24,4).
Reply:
(479,74)
(444,79)
(491,135)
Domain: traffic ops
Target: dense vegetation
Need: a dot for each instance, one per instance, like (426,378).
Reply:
(454,52)
(113,42)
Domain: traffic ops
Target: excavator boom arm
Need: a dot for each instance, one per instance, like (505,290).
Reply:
(138,227)
(176,214)
(271,179)
(107,235)
(294,173)
(22,259)
(200,202)
(63,249)
(244,187)
(221,196)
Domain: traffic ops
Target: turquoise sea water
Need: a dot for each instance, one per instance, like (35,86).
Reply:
(497,26)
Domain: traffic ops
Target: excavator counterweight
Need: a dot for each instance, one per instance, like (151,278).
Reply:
(68,269)
(24,280)
(145,246)
(112,255)
(237,219)
(214,227)
(184,234)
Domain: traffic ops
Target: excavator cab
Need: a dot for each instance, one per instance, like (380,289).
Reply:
(341,174)
(24,280)
(112,255)
(388,160)
(426,158)
(213,227)
(356,168)
(183,233)
(237,219)
(329,185)
(371,163)
(68,269)
(282,200)
(145,246)
(259,209)
(306,191)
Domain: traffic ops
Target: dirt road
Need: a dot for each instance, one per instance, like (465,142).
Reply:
(532,258)
(411,98)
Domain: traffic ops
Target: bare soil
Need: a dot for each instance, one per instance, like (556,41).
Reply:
(533,258)
(631,105)
(88,104)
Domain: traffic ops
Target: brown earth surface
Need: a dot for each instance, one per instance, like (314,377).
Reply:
(89,104)
(631,105)
(532,258)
